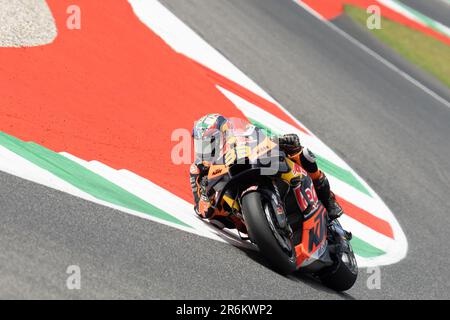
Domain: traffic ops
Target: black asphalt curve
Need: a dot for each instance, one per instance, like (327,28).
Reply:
(392,133)
(44,231)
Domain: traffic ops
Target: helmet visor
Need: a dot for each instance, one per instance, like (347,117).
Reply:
(206,148)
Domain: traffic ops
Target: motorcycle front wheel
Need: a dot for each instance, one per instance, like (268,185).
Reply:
(258,215)
(342,276)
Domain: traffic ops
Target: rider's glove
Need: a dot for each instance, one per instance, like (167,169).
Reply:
(290,139)
(290,143)
(203,168)
(203,186)
(205,208)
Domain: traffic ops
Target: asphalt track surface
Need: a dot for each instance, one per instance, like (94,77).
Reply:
(391,132)
(438,10)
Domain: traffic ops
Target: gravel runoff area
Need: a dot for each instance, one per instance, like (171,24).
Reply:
(25,23)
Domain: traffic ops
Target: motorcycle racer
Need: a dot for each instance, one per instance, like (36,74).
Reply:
(208,133)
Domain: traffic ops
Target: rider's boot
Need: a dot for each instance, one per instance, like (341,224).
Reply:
(327,197)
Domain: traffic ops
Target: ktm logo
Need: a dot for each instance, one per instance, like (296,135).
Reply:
(317,233)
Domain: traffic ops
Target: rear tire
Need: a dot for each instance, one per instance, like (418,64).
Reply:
(262,235)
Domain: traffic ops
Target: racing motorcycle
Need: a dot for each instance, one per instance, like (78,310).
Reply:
(276,200)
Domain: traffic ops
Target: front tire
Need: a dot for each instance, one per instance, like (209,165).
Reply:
(343,274)
(262,235)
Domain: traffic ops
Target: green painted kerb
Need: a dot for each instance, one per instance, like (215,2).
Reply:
(82,178)
(327,166)
(102,189)
(364,249)
(341,174)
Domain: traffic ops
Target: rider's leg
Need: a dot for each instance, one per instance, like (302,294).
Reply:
(327,197)
(307,160)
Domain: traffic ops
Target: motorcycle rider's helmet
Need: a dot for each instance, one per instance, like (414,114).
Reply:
(208,136)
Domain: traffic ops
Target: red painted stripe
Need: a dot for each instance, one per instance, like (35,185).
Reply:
(331,9)
(328,9)
(366,218)
(113,91)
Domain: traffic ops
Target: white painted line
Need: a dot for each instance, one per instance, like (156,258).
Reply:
(416,16)
(182,39)
(373,204)
(255,112)
(375,55)
(160,198)
(167,26)
(177,207)
(14,164)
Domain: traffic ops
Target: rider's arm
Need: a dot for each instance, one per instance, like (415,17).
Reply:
(198,180)
(290,143)
(307,160)
(194,173)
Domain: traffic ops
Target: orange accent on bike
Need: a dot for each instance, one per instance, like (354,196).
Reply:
(216,171)
(313,235)
(203,207)
(262,148)
(316,175)
(198,188)
(220,213)
(296,157)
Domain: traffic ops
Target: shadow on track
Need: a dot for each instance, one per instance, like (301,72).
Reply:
(250,250)
(299,277)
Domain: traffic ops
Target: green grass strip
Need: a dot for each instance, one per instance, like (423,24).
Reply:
(82,178)
(433,24)
(327,166)
(426,52)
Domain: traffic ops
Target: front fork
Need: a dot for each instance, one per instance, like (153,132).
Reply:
(272,194)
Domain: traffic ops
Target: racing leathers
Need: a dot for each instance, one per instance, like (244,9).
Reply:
(288,143)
